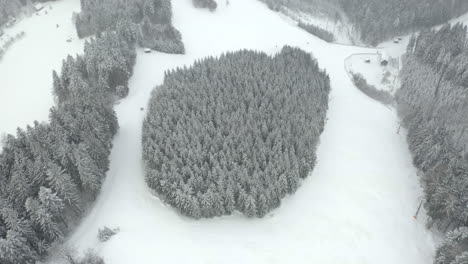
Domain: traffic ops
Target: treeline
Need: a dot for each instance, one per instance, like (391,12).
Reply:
(210,4)
(150,19)
(235,133)
(313,7)
(318,32)
(378,20)
(50,172)
(9,41)
(433,105)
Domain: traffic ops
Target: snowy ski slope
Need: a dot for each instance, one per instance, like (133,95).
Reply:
(26,68)
(356,207)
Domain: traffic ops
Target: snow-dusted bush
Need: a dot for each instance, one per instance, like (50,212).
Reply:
(90,257)
(318,32)
(210,4)
(237,132)
(106,233)
(122,91)
(370,90)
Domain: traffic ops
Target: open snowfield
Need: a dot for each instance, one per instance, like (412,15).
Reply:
(356,207)
(26,68)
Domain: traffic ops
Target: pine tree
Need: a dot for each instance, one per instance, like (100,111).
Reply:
(89,172)
(62,183)
(14,249)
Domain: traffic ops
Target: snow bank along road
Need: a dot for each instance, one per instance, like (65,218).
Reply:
(356,206)
(26,68)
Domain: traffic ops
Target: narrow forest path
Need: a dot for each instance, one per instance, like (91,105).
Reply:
(355,208)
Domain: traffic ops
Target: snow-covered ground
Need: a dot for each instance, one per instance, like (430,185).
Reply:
(356,207)
(381,77)
(26,68)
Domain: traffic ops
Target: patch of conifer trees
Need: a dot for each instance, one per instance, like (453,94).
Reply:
(50,172)
(318,32)
(210,4)
(378,20)
(433,104)
(235,133)
(151,19)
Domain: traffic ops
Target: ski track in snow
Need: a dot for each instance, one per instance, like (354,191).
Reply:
(26,68)
(356,207)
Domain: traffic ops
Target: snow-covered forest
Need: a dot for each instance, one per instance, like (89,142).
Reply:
(378,20)
(51,172)
(243,131)
(235,133)
(432,102)
(150,19)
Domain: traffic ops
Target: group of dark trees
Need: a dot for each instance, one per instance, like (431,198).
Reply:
(318,32)
(210,4)
(313,7)
(433,104)
(235,133)
(50,172)
(149,19)
(8,9)
(378,20)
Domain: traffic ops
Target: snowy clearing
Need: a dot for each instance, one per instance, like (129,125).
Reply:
(356,207)
(368,65)
(26,68)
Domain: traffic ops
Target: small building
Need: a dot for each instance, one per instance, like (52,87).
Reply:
(147,50)
(383,58)
(367,60)
(38,7)
(396,41)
